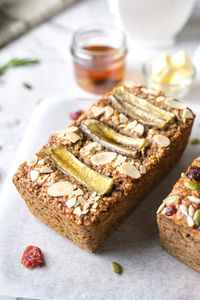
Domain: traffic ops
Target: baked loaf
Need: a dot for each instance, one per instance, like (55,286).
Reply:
(178,218)
(90,176)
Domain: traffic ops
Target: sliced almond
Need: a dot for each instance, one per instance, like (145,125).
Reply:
(41,162)
(77,211)
(194,199)
(183,209)
(72,137)
(190,221)
(130,170)
(78,192)
(161,140)
(71,202)
(129,84)
(103,158)
(34,175)
(32,160)
(191,210)
(98,111)
(150,91)
(143,170)
(187,114)
(86,205)
(108,111)
(123,118)
(66,130)
(119,160)
(84,212)
(120,89)
(139,128)
(131,125)
(45,170)
(175,104)
(160,208)
(160,98)
(60,188)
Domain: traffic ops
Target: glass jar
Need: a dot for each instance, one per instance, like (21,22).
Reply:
(99,57)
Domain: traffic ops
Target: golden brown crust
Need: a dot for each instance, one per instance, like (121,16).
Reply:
(105,212)
(179,231)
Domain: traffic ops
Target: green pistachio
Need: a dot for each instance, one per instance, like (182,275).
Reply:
(194,141)
(197,217)
(171,199)
(116,267)
(192,185)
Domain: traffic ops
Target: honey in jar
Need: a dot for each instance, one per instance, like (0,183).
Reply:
(99,58)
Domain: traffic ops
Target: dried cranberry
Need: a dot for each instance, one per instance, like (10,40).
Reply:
(194,172)
(32,257)
(75,115)
(170,210)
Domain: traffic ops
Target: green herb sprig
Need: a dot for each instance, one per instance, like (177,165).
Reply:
(17,63)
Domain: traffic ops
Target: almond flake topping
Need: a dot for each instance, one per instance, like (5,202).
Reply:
(41,162)
(190,221)
(160,98)
(60,188)
(72,137)
(71,202)
(34,175)
(78,192)
(130,170)
(139,128)
(123,118)
(183,209)
(45,170)
(128,84)
(191,210)
(161,140)
(92,146)
(187,114)
(119,160)
(150,91)
(77,211)
(108,111)
(98,111)
(63,131)
(131,125)
(160,208)
(194,199)
(32,160)
(175,104)
(143,170)
(103,158)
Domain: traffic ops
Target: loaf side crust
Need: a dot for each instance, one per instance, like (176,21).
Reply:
(88,231)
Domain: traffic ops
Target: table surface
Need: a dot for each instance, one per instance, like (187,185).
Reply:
(54,77)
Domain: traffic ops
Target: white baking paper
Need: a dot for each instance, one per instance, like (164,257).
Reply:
(70,272)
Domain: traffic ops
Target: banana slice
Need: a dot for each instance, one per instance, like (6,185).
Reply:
(143,110)
(111,139)
(71,166)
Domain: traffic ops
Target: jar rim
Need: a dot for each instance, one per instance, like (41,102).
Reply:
(78,51)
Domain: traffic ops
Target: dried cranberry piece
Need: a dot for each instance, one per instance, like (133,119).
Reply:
(194,172)
(75,115)
(32,257)
(170,210)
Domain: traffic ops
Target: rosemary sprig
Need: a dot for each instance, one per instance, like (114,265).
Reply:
(17,63)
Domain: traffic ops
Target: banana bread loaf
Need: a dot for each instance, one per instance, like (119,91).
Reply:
(90,175)
(178,218)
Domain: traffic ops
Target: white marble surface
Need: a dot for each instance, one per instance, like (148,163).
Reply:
(54,76)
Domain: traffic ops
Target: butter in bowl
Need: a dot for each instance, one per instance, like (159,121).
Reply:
(173,74)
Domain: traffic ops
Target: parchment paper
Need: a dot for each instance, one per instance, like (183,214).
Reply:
(72,273)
